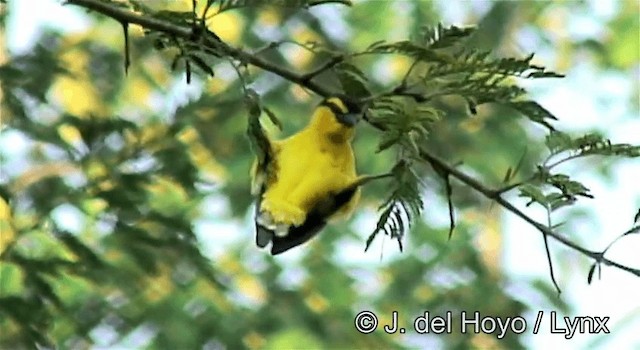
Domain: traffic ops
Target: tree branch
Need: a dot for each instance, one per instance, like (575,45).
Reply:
(496,196)
(187,33)
(126,16)
(322,2)
(332,62)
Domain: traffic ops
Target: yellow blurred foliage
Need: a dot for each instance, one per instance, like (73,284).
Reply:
(169,5)
(216,85)
(158,286)
(136,30)
(168,197)
(215,295)
(299,93)
(7,234)
(144,76)
(423,293)
(69,134)
(398,65)
(98,173)
(96,170)
(485,341)
(210,168)
(75,92)
(251,288)
(475,124)
(489,239)
(229,264)
(152,136)
(316,302)
(206,114)
(40,172)
(254,340)
(94,206)
(3,59)
(294,338)
(77,97)
(269,17)
(188,136)
(227,25)
(136,91)
(298,56)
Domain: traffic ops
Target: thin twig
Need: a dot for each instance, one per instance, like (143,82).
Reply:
(275,44)
(322,2)
(452,218)
(575,156)
(509,187)
(335,60)
(548,251)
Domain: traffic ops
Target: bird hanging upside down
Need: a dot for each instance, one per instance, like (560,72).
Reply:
(306,179)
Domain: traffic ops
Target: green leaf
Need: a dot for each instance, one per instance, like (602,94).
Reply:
(440,37)
(273,118)
(404,122)
(401,208)
(88,257)
(11,279)
(594,144)
(569,188)
(534,111)
(558,142)
(543,74)
(411,49)
(201,64)
(353,80)
(533,193)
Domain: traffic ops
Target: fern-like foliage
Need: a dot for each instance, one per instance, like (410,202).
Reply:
(443,66)
(450,68)
(407,123)
(403,205)
(440,37)
(554,191)
(226,5)
(561,144)
(352,79)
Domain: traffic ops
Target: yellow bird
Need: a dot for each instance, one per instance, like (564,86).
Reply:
(306,179)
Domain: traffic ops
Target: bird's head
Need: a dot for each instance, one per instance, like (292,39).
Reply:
(335,119)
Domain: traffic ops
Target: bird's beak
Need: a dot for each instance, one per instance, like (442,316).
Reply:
(349,119)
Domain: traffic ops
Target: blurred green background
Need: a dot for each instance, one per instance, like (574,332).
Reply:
(125,213)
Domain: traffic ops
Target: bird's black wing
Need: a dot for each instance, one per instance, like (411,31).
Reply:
(298,234)
(263,234)
(315,222)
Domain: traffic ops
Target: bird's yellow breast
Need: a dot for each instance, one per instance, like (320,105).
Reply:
(311,166)
(308,168)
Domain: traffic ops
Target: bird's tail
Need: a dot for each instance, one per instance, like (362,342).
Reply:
(263,235)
